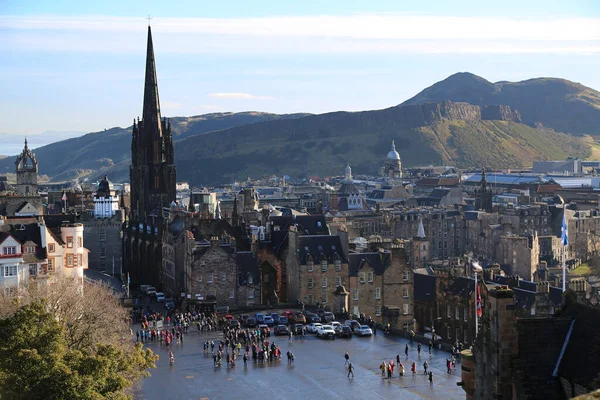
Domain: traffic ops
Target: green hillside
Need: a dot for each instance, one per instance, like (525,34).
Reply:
(322,144)
(555,103)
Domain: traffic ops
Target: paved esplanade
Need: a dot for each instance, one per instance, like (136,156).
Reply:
(318,371)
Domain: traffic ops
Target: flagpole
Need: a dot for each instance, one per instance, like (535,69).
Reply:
(476,309)
(564,268)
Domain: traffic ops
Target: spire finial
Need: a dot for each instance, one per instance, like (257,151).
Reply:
(393,146)
(25,142)
(149,18)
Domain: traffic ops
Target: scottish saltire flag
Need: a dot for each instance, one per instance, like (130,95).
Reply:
(564,232)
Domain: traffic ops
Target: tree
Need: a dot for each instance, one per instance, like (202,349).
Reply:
(57,343)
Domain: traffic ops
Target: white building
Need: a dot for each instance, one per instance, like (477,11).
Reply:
(106,201)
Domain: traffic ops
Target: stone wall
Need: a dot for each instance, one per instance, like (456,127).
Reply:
(398,289)
(104,239)
(214,272)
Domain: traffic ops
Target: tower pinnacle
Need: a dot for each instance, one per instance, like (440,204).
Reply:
(151,111)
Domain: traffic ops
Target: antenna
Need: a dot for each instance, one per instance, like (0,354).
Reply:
(149,18)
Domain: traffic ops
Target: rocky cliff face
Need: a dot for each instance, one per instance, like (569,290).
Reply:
(428,113)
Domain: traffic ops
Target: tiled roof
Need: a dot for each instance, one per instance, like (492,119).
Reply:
(348,188)
(29,233)
(379,261)
(319,246)
(462,285)
(540,342)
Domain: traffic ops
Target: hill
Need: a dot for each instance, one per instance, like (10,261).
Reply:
(559,104)
(436,133)
(109,151)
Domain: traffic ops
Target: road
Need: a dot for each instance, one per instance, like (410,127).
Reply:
(318,370)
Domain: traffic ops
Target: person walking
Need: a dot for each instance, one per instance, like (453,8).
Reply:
(347,357)
(425,366)
(430,346)
(383,368)
(350,370)
(401,369)
(389,370)
(419,349)
(406,350)
(413,369)
(430,378)
(397,358)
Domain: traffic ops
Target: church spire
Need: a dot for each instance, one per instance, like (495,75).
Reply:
(151,111)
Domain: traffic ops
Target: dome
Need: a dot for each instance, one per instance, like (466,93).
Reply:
(393,154)
(104,187)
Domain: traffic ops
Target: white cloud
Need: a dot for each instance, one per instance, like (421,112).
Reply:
(238,96)
(356,33)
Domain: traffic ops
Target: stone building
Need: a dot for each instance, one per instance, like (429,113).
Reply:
(420,250)
(26,201)
(153,186)
(103,230)
(522,254)
(392,168)
(349,197)
(214,272)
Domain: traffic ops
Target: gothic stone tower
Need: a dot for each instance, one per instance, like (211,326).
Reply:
(27,169)
(152,174)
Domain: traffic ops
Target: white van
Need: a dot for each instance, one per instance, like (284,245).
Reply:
(151,291)
(160,297)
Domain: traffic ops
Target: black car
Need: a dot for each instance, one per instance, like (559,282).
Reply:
(251,323)
(234,324)
(344,331)
(298,329)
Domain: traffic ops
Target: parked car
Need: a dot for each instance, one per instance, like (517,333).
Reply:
(326,332)
(320,312)
(260,317)
(288,313)
(344,331)
(151,291)
(312,318)
(244,317)
(275,317)
(300,318)
(265,328)
(312,328)
(327,317)
(298,329)
(251,323)
(335,325)
(170,305)
(281,330)
(144,288)
(229,317)
(234,324)
(160,297)
(268,321)
(283,320)
(363,330)
(352,323)
(222,310)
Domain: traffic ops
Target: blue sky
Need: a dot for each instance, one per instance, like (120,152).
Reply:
(78,66)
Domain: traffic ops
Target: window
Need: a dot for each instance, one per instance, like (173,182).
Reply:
(361,277)
(324,296)
(457,313)
(223,276)
(69,260)
(70,242)
(448,310)
(210,277)
(29,249)
(405,276)
(231,294)
(355,297)
(370,276)
(10,270)
(311,283)
(309,265)
(405,292)
(309,299)
(199,278)
(323,266)
(102,234)
(102,252)
(251,293)
(32,269)
(9,250)
(405,309)
(51,248)
(324,282)
(338,281)
(378,310)
(377,293)
(79,241)
(50,264)
(250,280)
(466,314)
(44,269)
(406,326)
(338,265)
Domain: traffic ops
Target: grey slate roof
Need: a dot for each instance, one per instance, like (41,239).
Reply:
(379,261)
(318,246)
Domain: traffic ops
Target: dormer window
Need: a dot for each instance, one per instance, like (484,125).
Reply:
(370,276)
(29,249)
(324,266)
(309,265)
(338,265)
